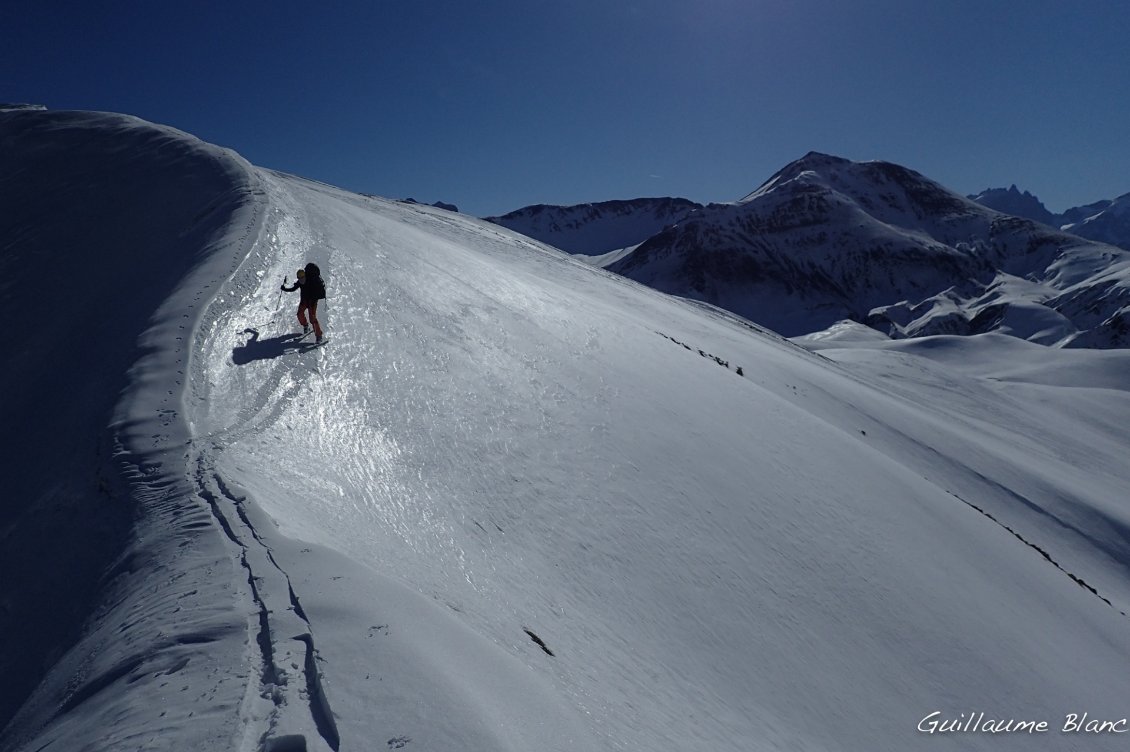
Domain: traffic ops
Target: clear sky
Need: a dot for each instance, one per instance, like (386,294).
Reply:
(493,105)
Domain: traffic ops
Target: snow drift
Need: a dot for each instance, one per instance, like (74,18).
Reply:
(516,502)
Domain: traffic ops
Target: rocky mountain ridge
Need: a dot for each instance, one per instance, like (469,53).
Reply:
(1107,221)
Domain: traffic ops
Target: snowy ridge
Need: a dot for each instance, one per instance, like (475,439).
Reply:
(521,503)
(237,414)
(600,228)
(105,216)
(187,521)
(1109,224)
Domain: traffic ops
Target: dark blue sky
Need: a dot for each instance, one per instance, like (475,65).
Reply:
(495,105)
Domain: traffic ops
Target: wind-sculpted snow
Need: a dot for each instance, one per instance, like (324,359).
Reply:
(520,503)
(103,218)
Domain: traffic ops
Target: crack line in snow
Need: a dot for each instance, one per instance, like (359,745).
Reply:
(724,363)
(1033,507)
(242,512)
(538,641)
(1075,578)
(268,671)
(274,682)
(319,706)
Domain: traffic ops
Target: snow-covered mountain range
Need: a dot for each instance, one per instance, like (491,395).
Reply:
(517,502)
(605,230)
(826,239)
(1107,221)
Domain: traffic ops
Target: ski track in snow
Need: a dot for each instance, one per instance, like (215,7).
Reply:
(290,676)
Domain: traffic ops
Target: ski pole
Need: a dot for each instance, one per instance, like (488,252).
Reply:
(278,305)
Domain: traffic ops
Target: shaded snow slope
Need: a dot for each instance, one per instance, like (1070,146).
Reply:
(520,503)
(101,218)
(1108,224)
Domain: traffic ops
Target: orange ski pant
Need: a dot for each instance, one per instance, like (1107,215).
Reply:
(310,307)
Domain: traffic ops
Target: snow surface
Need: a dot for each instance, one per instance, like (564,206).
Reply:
(719,538)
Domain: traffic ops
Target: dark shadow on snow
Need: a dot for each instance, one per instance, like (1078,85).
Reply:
(272,347)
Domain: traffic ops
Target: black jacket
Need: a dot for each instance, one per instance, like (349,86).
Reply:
(312,289)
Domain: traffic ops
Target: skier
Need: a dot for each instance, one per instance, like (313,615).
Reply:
(312,290)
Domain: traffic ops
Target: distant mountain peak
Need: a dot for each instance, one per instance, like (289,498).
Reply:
(885,190)
(597,228)
(1018,203)
(818,172)
(1106,221)
(828,239)
(813,163)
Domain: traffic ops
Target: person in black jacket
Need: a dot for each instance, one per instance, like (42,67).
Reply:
(312,289)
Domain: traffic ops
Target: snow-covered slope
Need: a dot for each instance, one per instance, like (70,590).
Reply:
(520,503)
(113,233)
(1110,224)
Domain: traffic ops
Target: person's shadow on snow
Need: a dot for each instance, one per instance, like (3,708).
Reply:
(265,349)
